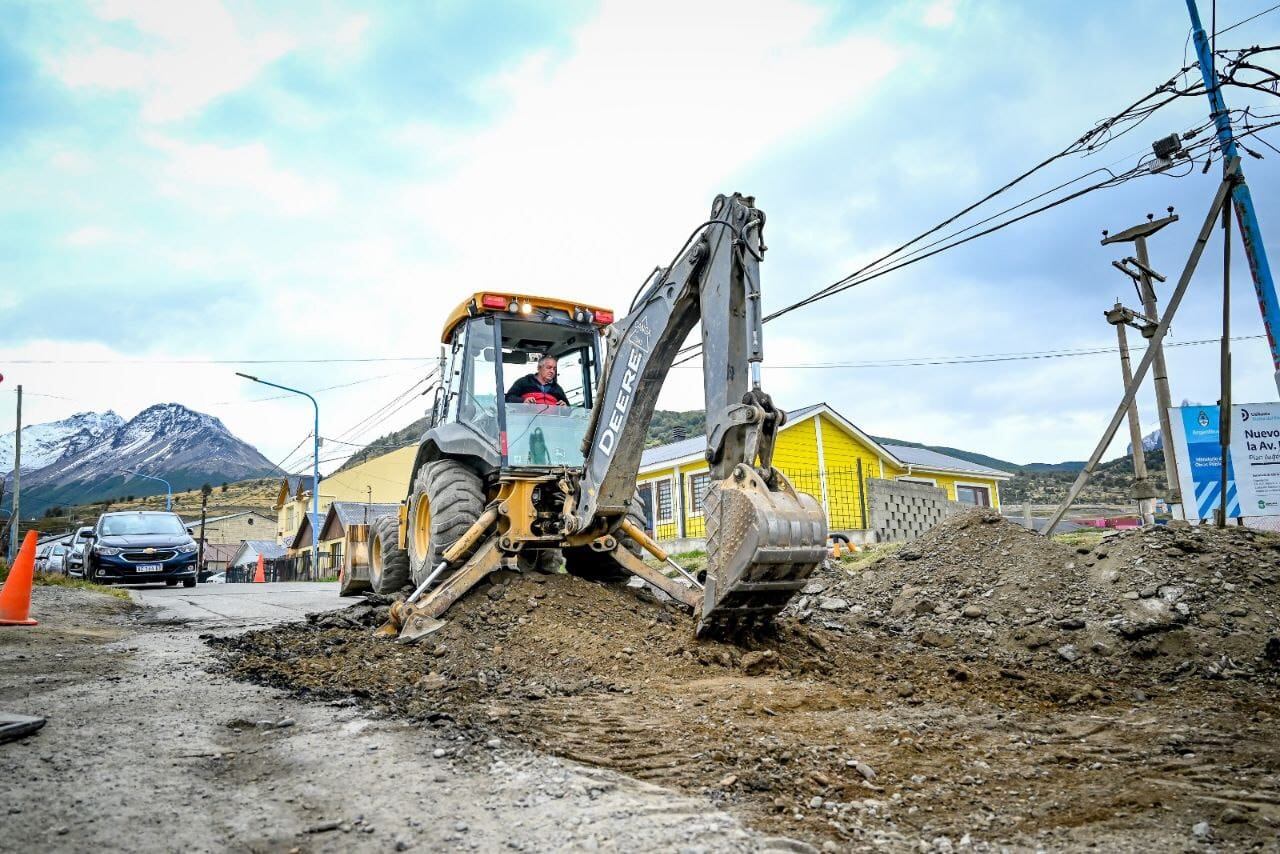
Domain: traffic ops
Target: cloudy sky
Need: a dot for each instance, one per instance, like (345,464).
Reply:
(201,182)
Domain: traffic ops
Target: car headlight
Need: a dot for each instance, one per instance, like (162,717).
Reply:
(189,548)
(106,550)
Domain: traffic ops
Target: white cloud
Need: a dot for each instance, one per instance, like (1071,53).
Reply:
(603,159)
(195,53)
(89,235)
(225,179)
(940,14)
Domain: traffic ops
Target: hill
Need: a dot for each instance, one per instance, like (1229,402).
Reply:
(390,442)
(1110,484)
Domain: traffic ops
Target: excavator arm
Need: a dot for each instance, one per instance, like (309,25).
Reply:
(763,538)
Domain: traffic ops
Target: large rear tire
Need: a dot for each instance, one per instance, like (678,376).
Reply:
(447,500)
(584,562)
(388,563)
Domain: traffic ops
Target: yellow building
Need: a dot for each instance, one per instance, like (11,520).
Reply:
(380,480)
(825,455)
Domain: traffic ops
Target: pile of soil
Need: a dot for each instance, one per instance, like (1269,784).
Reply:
(804,731)
(1154,604)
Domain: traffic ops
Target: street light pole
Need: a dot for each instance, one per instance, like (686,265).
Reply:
(168,490)
(315,468)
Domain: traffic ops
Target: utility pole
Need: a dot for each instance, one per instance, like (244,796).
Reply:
(1242,200)
(1139,269)
(15,517)
(1144,365)
(1224,399)
(1143,492)
(204,505)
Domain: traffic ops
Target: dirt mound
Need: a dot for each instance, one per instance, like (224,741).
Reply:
(1154,603)
(814,733)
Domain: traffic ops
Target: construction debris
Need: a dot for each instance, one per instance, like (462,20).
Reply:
(1160,602)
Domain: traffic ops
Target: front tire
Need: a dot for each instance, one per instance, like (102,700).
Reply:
(188,582)
(447,500)
(388,563)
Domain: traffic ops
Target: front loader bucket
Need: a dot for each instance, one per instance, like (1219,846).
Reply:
(762,544)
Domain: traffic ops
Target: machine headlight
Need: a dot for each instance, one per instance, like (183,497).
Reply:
(107,550)
(188,548)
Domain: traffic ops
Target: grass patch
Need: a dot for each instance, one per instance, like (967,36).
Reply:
(1088,538)
(55,580)
(866,556)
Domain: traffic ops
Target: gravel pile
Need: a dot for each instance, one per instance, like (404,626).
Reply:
(1157,603)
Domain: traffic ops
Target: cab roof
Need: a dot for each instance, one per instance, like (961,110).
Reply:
(474,306)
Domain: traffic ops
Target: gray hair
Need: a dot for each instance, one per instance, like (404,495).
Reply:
(544,358)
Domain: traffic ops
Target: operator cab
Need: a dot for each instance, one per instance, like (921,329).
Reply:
(493,340)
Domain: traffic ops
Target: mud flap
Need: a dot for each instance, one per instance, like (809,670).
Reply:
(762,543)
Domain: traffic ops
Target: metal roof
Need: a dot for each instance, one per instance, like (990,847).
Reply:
(935,460)
(673,451)
(352,513)
(923,457)
(209,521)
(269,549)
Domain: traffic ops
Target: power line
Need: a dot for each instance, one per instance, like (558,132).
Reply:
(217,361)
(1146,166)
(985,358)
(405,395)
(1246,20)
(316,391)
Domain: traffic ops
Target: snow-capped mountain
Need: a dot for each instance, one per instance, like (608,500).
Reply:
(167,440)
(1153,441)
(45,444)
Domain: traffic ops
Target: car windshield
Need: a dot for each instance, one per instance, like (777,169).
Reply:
(142,523)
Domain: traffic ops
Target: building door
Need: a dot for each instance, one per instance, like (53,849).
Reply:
(975,496)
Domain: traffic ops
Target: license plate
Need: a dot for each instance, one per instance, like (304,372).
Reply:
(148,567)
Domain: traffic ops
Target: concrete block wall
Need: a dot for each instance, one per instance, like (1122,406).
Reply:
(901,511)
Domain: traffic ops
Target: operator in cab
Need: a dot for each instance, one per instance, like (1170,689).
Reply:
(540,387)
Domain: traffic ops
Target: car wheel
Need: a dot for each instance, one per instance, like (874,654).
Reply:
(188,582)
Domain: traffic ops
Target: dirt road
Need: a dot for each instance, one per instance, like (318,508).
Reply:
(147,751)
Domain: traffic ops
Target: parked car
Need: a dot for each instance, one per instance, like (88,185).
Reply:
(75,552)
(141,547)
(57,560)
(216,578)
(42,555)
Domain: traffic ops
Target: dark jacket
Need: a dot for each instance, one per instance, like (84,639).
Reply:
(529,384)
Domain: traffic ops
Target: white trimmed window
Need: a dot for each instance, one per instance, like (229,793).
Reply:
(975,496)
(698,485)
(665,510)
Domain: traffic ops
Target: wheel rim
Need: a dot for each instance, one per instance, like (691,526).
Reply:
(375,559)
(421,528)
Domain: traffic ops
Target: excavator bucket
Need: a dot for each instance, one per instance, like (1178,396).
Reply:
(762,543)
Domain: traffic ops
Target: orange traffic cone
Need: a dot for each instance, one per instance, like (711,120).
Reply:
(15,598)
(260,577)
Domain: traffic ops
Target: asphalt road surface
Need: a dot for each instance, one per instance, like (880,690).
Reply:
(240,604)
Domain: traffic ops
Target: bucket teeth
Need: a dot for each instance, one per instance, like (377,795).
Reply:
(762,543)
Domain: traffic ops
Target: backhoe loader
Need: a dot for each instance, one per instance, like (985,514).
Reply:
(503,484)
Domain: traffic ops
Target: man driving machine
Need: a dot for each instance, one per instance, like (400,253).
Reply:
(540,387)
